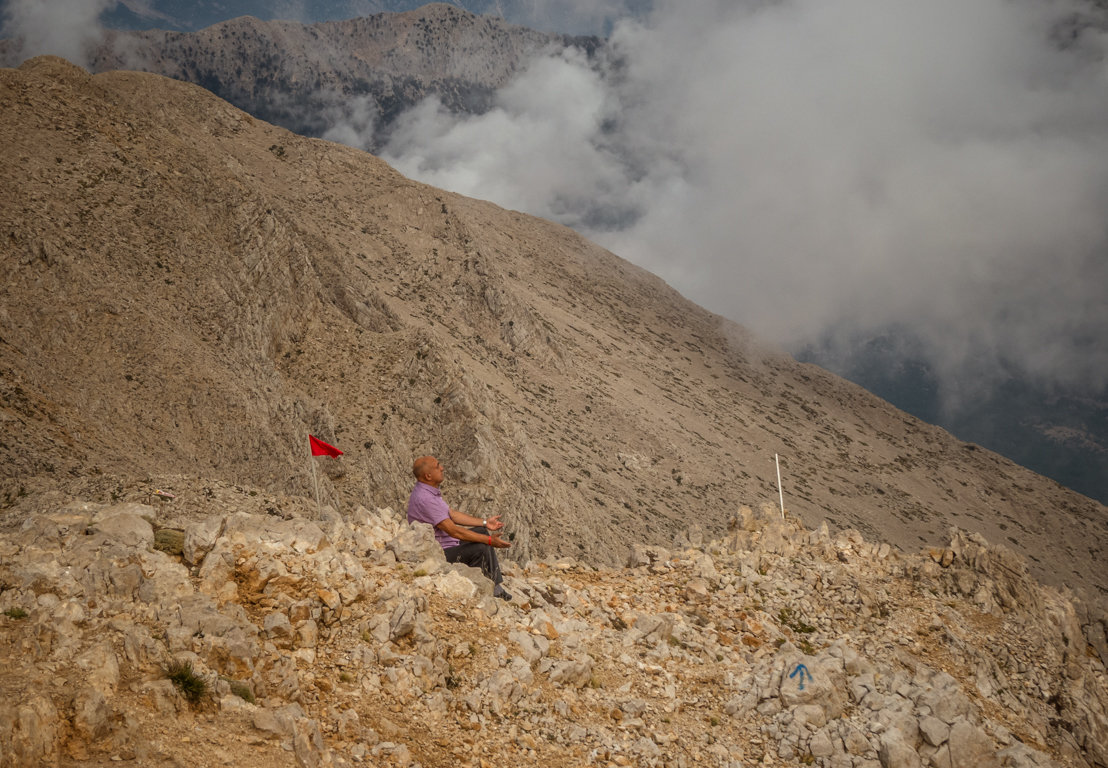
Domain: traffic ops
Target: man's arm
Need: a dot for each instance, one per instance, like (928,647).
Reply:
(461,518)
(451,528)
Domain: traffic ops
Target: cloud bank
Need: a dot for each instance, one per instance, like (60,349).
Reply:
(67,28)
(816,170)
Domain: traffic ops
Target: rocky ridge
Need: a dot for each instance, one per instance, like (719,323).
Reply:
(344,641)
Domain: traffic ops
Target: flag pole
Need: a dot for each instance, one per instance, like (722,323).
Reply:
(780,493)
(315,481)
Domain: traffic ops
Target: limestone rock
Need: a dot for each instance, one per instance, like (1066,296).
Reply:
(572,672)
(897,752)
(29,732)
(967,747)
(415,543)
(125,526)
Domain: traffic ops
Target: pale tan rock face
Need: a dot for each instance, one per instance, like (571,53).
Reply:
(188,292)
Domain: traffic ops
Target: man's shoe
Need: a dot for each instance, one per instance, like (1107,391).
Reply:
(502,593)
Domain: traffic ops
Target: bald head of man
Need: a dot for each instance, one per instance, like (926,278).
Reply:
(428,469)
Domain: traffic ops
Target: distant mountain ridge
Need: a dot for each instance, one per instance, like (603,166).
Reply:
(189,291)
(307,77)
(188,17)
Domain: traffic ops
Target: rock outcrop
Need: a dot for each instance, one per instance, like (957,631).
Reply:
(271,639)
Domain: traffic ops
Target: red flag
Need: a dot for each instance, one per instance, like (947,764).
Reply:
(320,448)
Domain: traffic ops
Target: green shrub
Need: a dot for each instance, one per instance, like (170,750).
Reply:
(191,685)
(16,613)
(169,540)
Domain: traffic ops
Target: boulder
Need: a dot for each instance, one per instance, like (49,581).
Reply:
(452,585)
(279,722)
(29,732)
(651,630)
(123,527)
(967,747)
(415,543)
(575,673)
(252,533)
(200,537)
(808,680)
(897,752)
(308,745)
(91,713)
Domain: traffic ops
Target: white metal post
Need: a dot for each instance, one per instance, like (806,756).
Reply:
(780,493)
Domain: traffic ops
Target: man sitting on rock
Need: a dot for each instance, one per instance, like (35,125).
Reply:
(473,544)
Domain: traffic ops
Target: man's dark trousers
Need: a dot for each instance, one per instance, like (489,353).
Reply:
(478,555)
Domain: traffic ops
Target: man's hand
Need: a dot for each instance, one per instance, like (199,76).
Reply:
(497,542)
(494,523)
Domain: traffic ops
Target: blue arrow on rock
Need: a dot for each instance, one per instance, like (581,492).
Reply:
(802,670)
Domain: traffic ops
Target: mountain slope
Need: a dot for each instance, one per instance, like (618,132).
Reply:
(189,291)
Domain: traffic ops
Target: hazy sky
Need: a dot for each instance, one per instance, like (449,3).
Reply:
(805,168)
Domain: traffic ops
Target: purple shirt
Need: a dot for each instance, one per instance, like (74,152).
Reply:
(426,505)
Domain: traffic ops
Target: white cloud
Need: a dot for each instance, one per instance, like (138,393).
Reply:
(67,28)
(353,119)
(538,149)
(803,166)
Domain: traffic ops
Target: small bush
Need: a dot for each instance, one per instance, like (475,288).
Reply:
(191,685)
(169,540)
(16,613)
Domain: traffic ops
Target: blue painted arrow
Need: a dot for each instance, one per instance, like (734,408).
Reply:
(803,670)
